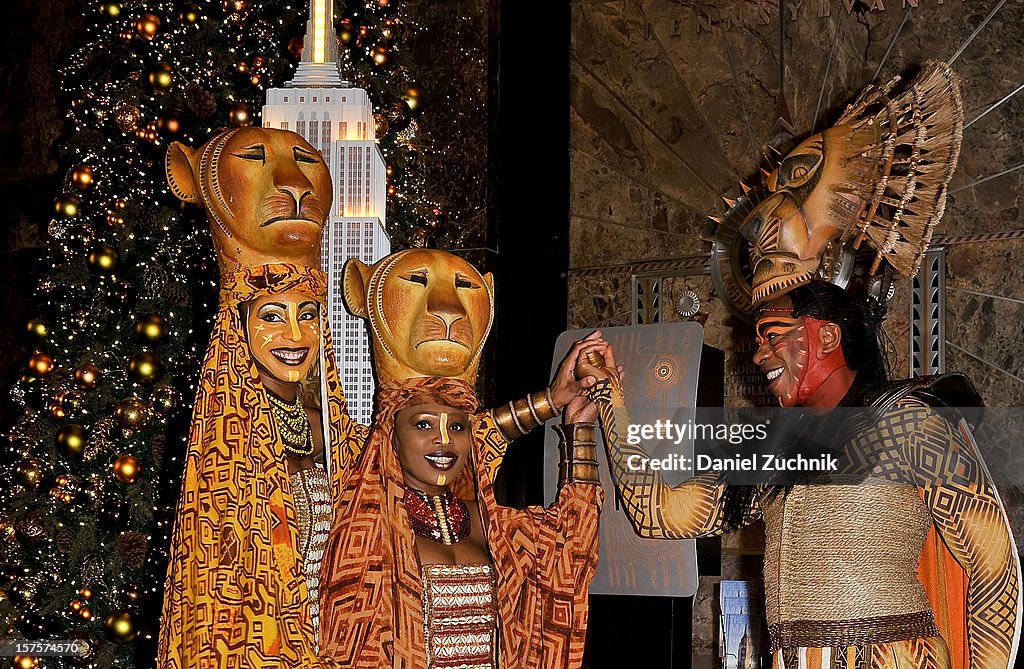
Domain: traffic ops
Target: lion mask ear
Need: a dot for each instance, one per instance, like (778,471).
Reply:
(178,165)
(355,278)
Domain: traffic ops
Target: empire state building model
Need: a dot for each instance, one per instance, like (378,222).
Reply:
(337,119)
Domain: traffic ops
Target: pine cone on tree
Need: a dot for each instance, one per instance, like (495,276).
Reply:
(154,278)
(66,540)
(133,546)
(176,294)
(200,101)
(158,446)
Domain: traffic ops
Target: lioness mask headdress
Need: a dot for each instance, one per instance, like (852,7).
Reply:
(267,194)
(429,311)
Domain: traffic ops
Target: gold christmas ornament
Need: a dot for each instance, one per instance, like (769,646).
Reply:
(40,365)
(67,205)
(87,376)
(120,627)
(164,400)
(103,258)
(161,76)
(38,328)
(380,55)
(145,367)
(190,14)
(127,469)
(170,123)
(29,471)
(86,613)
(151,329)
(82,177)
(147,26)
(72,400)
(241,67)
(131,413)
(127,116)
(70,440)
(25,662)
(30,530)
(76,605)
(240,114)
(381,126)
(346,32)
(111,9)
(412,98)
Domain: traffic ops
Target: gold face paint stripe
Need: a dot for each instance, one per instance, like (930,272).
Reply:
(445,439)
(293,320)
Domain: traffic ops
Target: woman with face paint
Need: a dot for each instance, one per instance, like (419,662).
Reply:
(283,331)
(424,569)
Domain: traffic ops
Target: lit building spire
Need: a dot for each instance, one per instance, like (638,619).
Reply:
(319,65)
(317,47)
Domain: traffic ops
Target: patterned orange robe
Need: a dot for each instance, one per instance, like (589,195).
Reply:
(235,595)
(544,559)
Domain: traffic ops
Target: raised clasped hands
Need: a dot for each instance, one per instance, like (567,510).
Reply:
(588,361)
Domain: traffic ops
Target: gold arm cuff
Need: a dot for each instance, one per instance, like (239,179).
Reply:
(520,416)
(577,454)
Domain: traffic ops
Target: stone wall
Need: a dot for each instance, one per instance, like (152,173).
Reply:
(673,103)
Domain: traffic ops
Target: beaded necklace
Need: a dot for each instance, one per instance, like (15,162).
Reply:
(293,425)
(443,518)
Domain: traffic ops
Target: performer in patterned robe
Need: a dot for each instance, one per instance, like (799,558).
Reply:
(250,524)
(841,582)
(423,568)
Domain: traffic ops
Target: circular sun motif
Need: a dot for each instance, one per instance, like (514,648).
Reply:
(664,371)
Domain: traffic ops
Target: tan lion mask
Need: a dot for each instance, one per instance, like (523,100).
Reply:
(266,192)
(879,176)
(430,312)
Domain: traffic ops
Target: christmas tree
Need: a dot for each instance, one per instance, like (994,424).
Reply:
(92,468)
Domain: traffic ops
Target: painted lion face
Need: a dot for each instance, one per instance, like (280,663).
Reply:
(429,311)
(266,192)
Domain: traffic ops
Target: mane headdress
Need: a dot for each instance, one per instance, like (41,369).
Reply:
(878,176)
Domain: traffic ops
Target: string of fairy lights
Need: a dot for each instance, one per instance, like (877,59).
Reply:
(127,292)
